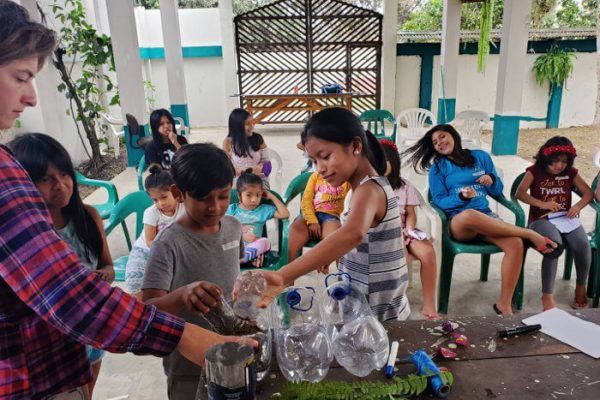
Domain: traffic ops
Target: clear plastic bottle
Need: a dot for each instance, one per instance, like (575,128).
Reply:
(303,346)
(249,286)
(359,341)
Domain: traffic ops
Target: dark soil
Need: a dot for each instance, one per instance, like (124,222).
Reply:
(105,169)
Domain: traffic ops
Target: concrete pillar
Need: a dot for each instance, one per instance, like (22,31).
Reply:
(449,61)
(174,59)
(229,58)
(511,74)
(128,65)
(388,59)
(47,80)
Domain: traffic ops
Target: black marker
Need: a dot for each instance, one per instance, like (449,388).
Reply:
(506,332)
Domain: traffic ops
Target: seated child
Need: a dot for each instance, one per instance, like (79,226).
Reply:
(165,210)
(320,207)
(253,215)
(165,141)
(415,241)
(547,188)
(203,245)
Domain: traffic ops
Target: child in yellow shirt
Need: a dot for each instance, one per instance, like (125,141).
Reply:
(321,207)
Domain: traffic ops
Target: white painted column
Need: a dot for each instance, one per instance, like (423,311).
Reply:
(511,74)
(50,99)
(128,65)
(388,59)
(449,60)
(174,59)
(229,58)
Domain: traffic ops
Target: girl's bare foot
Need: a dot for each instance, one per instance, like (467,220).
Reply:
(429,312)
(580,300)
(548,301)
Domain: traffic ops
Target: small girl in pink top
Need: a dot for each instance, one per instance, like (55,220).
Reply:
(415,240)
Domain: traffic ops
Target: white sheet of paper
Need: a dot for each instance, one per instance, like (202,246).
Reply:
(563,223)
(569,329)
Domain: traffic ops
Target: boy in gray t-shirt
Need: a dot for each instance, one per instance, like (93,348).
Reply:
(195,260)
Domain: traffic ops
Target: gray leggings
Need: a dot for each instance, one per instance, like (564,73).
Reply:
(576,240)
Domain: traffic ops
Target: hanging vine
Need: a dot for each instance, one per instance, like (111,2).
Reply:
(485,32)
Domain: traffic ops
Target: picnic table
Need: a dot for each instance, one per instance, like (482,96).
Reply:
(529,366)
(263,105)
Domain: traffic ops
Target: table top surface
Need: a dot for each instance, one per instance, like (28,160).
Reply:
(296,95)
(528,366)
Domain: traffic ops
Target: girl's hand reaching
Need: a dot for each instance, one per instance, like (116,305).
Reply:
(201,296)
(553,206)
(485,180)
(314,231)
(275,285)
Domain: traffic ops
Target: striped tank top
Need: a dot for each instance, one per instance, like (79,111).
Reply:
(377,265)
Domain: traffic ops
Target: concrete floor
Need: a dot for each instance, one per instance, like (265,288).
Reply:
(125,376)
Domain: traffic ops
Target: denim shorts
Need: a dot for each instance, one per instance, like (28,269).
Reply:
(489,213)
(324,217)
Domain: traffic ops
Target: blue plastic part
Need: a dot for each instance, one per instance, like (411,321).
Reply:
(339,293)
(293,298)
(425,366)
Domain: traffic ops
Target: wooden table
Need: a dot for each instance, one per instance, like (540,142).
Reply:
(530,366)
(263,105)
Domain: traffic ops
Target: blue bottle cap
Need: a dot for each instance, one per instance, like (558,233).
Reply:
(293,298)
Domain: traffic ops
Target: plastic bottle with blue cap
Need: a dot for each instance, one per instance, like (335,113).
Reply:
(303,347)
(359,341)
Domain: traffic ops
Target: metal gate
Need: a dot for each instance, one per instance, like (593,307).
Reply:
(300,45)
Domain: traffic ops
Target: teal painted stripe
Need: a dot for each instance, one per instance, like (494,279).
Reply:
(181,111)
(446,110)
(154,53)
(553,116)
(426,81)
(541,46)
(506,134)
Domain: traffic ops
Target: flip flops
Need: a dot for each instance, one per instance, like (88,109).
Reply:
(579,303)
(497,310)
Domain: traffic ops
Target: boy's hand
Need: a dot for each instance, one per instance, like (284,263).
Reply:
(314,231)
(201,296)
(552,206)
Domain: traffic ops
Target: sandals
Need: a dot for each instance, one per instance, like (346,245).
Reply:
(497,310)
(579,303)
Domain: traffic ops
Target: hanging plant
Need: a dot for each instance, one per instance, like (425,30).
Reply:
(485,33)
(555,66)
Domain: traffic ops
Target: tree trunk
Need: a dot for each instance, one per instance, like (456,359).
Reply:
(597,115)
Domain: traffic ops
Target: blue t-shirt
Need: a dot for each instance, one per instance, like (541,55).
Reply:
(253,221)
(446,179)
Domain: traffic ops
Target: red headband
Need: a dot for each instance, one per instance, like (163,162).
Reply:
(560,149)
(389,143)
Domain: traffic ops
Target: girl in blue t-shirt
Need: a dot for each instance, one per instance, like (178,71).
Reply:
(460,181)
(253,215)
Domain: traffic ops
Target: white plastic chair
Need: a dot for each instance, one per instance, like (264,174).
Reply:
(276,176)
(412,125)
(180,127)
(114,133)
(470,124)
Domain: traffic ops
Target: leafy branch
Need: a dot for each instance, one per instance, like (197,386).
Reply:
(555,66)
(413,385)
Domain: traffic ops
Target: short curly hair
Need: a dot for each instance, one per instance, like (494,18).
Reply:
(21,37)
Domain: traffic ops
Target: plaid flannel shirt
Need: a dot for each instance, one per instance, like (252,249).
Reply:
(50,304)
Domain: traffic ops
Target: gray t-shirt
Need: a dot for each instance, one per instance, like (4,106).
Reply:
(180,256)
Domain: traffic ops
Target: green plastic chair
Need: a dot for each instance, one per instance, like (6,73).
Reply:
(135,202)
(104,209)
(593,286)
(376,120)
(451,248)
(140,170)
(274,260)
(295,189)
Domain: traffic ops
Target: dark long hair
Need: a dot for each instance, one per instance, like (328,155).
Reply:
(22,37)
(392,156)
(339,125)
(35,151)
(240,143)
(155,118)
(247,178)
(543,161)
(422,154)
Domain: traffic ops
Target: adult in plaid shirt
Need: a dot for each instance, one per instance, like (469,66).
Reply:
(50,304)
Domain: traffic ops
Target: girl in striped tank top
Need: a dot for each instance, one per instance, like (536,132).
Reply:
(369,242)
